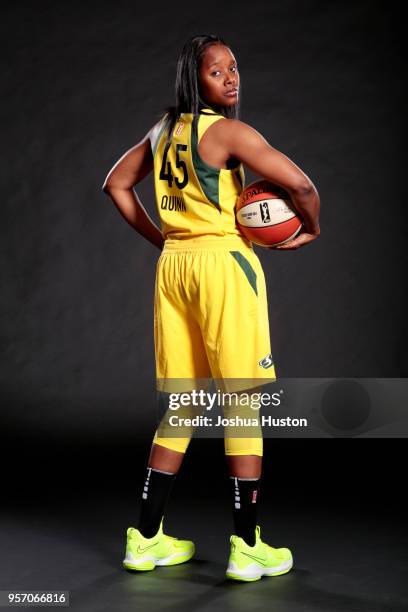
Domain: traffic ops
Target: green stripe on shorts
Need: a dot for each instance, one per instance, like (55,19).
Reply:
(247,268)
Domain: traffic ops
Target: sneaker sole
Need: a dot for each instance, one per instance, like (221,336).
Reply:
(149,563)
(256,571)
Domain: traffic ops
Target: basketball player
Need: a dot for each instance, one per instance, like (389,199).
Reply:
(210,296)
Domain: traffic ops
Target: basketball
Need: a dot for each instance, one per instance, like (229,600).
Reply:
(266,215)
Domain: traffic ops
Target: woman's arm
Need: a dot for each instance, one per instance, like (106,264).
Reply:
(129,170)
(247,145)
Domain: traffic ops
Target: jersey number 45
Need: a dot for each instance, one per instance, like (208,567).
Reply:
(165,170)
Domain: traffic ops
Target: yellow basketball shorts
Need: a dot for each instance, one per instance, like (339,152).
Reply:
(211,320)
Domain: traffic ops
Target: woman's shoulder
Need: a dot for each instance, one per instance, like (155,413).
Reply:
(156,130)
(233,138)
(160,121)
(229,128)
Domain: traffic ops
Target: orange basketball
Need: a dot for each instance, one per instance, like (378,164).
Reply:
(265,214)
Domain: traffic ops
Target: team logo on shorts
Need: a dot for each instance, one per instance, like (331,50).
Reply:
(266,362)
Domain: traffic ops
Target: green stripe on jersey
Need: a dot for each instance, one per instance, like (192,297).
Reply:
(208,176)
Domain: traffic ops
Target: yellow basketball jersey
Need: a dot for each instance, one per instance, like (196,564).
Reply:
(193,198)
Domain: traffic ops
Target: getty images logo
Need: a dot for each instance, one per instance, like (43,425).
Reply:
(266,362)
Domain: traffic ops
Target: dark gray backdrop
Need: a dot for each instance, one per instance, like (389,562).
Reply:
(82,83)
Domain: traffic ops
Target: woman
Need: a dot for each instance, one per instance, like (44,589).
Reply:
(210,312)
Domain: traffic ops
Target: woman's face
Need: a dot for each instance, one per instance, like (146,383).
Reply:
(218,76)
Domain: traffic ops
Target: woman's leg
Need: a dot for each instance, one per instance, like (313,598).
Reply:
(245,477)
(244,466)
(165,459)
(180,357)
(244,461)
(163,465)
(166,456)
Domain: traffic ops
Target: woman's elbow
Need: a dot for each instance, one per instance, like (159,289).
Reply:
(303,188)
(108,187)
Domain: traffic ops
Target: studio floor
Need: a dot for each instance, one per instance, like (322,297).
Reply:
(350,559)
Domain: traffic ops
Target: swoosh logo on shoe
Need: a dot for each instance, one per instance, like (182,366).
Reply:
(142,550)
(262,561)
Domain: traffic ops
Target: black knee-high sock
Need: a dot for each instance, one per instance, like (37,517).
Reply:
(245,492)
(156,491)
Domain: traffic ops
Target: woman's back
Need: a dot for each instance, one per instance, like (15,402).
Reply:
(193,197)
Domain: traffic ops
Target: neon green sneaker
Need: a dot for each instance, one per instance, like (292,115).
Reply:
(145,553)
(250,563)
